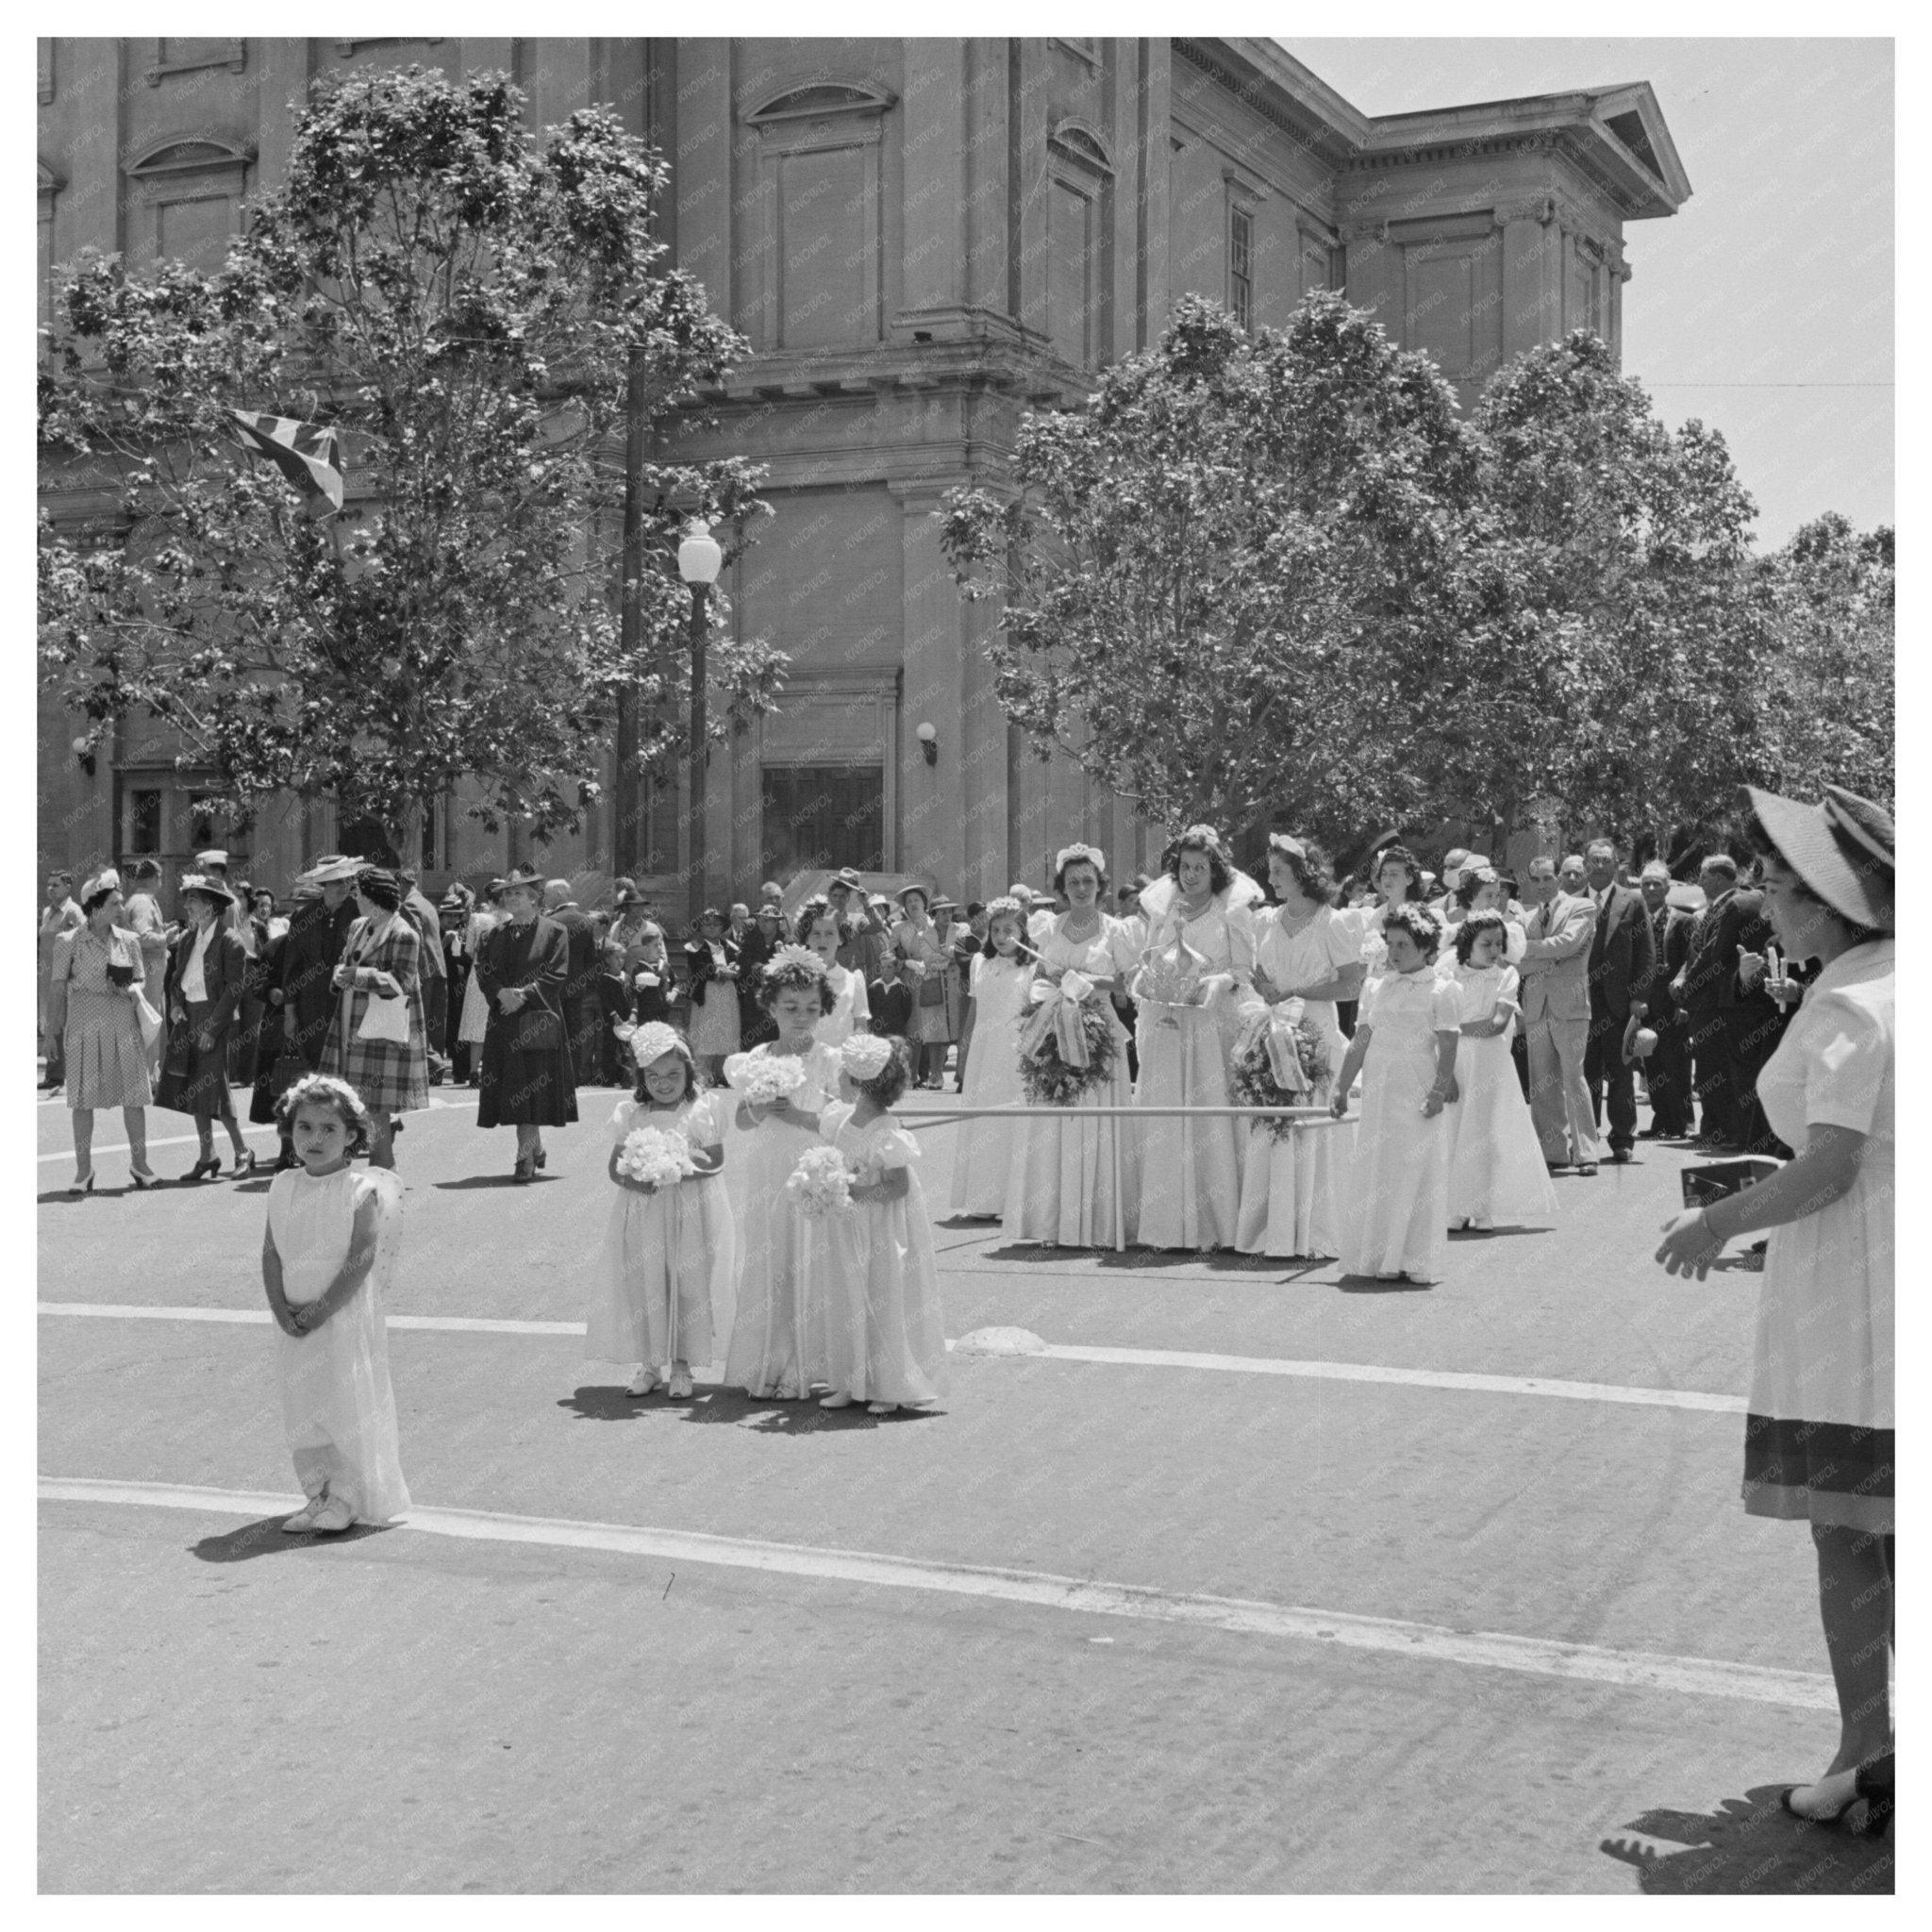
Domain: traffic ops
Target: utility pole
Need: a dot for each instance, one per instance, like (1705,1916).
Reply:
(629,781)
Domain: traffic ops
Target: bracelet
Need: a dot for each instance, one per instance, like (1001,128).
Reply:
(1704,1218)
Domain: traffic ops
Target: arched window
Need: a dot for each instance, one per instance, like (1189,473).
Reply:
(184,198)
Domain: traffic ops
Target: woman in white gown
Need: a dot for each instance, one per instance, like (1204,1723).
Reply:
(1397,877)
(818,932)
(1193,988)
(1496,1167)
(1061,1172)
(1002,980)
(1306,956)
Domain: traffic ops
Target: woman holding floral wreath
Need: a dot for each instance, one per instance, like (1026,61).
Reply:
(1307,957)
(1195,991)
(1061,1182)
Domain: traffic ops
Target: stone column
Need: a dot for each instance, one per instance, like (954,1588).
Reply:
(701,167)
(984,272)
(1151,174)
(1532,274)
(286,68)
(558,80)
(1374,275)
(932,124)
(87,212)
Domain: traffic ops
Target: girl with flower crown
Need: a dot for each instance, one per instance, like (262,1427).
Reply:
(1002,980)
(888,1337)
(663,1288)
(1061,1174)
(1194,989)
(779,1345)
(1308,958)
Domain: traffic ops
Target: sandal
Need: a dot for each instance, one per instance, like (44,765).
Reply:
(642,1382)
(1872,1785)
(333,1517)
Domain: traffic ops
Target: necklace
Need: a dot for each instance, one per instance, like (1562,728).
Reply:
(1081,926)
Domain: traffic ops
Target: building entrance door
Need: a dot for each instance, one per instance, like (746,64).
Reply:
(822,817)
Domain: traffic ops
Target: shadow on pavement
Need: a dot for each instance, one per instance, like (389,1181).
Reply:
(1370,1284)
(266,1537)
(1752,1846)
(491,1180)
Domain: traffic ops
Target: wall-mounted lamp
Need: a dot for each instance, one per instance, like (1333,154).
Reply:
(84,750)
(928,738)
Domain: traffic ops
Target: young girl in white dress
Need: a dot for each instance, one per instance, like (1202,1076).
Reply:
(1061,1172)
(850,1012)
(327,1263)
(779,1341)
(1193,991)
(1307,955)
(1496,1167)
(1395,1221)
(663,1287)
(1396,876)
(1001,982)
(889,1341)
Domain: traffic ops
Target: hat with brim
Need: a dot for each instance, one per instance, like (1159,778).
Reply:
(1685,898)
(521,877)
(630,896)
(334,870)
(208,888)
(214,857)
(846,875)
(1844,848)
(924,895)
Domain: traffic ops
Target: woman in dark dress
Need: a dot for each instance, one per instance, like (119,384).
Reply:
(202,992)
(527,1079)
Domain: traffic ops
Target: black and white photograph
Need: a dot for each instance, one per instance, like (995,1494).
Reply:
(966,963)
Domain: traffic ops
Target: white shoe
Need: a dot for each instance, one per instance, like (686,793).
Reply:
(881,1408)
(304,1519)
(335,1516)
(642,1382)
(681,1388)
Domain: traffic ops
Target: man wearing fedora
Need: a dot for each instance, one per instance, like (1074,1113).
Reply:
(864,941)
(300,994)
(761,938)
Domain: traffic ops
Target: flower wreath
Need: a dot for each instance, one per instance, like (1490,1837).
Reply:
(1067,1046)
(792,966)
(1279,1043)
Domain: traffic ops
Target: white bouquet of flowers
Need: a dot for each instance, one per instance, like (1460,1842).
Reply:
(657,1154)
(759,1079)
(820,1182)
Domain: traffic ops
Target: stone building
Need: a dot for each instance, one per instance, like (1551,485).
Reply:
(921,239)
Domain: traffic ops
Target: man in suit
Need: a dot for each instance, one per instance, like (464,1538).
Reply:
(1722,1019)
(301,991)
(864,942)
(582,1010)
(1555,970)
(1622,958)
(433,972)
(1668,1070)
(759,940)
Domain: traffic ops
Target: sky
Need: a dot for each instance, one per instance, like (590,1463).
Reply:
(1778,271)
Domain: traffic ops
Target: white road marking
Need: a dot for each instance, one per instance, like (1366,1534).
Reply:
(166,1141)
(1122,1357)
(1483,1649)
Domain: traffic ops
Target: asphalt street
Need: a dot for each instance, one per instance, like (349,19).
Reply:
(1265,1580)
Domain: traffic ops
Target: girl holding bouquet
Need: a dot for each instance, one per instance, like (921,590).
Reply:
(1395,1218)
(1002,980)
(1195,991)
(663,1288)
(818,932)
(1073,1052)
(1307,957)
(1496,1167)
(779,1344)
(888,1337)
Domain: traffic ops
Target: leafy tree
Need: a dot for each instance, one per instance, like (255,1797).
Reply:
(469,307)
(1826,695)
(1226,578)
(1622,642)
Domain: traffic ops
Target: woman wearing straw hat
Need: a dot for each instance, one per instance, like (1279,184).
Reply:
(1818,1441)
(202,991)
(377,1040)
(925,955)
(94,1008)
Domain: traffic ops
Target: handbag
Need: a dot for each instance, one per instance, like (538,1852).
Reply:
(535,1029)
(150,1019)
(384,1019)
(932,989)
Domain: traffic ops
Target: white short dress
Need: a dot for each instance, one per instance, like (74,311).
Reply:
(338,1404)
(982,1153)
(1819,1438)
(1396,1216)
(665,1279)
(888,1334)
(851,1011)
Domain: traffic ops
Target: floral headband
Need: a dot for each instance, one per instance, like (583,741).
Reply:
(1091,853)
(865,1055)
(796,965)
(654,1040)
(1005,906)
(1280,841)
(1203,835)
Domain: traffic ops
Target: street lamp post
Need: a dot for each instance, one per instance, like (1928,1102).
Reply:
(698,562)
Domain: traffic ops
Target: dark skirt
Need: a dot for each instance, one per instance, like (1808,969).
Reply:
(525,1090)
(1827,1472)
(196,1080)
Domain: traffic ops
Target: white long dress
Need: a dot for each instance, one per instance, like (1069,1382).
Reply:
(850,1012)
(983,1153)
(665,1278)
(1190,1168)
(1496,1166)
(1292,1188)
(1396,1220)
(339,1406)
(1061,1172)
(779,1344)
(888,1334)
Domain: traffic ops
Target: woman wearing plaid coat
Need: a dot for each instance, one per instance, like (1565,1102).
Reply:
(381,960)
